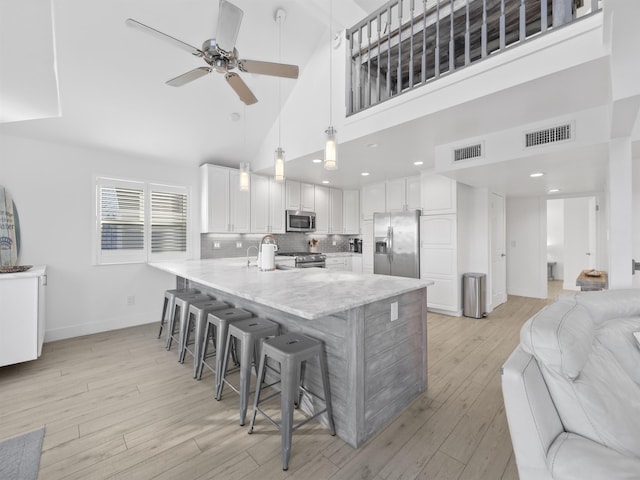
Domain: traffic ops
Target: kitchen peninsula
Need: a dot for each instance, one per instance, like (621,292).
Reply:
(373,327)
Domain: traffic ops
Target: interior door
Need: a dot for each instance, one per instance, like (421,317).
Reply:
(579,238)
(498,255)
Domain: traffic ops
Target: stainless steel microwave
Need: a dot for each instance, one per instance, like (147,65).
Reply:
(298,221)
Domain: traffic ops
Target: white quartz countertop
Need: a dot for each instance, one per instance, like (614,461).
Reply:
(305,292)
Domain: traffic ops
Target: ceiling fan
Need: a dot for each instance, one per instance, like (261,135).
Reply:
(221,55)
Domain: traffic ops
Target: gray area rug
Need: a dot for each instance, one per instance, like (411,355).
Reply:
(20,456)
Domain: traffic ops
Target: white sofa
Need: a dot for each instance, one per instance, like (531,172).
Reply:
(572,389)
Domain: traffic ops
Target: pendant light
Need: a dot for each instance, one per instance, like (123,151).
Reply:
(331,146)
(244,177)
(278,174)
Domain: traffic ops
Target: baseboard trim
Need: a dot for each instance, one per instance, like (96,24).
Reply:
(62,333)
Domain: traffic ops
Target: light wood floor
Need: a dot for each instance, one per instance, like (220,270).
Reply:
(118,405)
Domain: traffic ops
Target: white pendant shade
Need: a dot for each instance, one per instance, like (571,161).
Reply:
(279,165)
(244,177)
(331,150)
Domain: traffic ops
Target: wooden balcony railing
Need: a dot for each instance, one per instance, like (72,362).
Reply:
(408,43)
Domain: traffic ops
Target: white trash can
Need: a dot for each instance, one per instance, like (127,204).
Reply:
(474,295)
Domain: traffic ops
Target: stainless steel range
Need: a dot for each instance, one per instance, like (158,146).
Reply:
(306,259)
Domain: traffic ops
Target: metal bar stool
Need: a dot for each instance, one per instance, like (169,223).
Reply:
(169,305)
(248,334)
(292,351)
(216,329)
(180,312)
(198,311)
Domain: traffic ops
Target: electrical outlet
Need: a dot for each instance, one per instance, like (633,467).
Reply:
(238,244)
(131,300)
(216,244)
(394,311)
(335,243)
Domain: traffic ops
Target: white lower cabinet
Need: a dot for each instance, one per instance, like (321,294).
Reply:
(22,316)
(338,263)
(356,263)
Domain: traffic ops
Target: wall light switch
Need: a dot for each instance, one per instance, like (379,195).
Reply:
(238,244)
(394,311)
(216,244)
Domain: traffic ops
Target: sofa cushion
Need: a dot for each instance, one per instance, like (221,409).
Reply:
(608,304)
(560,336)
(594,395)
(617,336)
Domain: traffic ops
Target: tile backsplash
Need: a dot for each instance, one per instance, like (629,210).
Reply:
(224,245)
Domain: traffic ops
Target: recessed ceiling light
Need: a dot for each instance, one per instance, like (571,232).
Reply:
(536,174)
(554,190)
(317,160)
(372,145)
(325,181)
(418,163)
(365,174)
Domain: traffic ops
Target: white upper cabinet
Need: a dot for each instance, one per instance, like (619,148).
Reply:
(215,198)
(414,199)
(438,194)
(300,196)
(396,195)
(373,200)
(351,212)
(277,222)
(322,209)
(239,205)
(267,205)
(336,213)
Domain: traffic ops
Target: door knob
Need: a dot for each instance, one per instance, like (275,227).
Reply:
(502,255)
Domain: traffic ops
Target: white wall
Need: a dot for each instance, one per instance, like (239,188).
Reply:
(53,189)
(636,223)
(555,236)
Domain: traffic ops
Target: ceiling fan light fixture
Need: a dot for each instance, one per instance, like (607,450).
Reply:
(244,177)
(331,150)
(278,175)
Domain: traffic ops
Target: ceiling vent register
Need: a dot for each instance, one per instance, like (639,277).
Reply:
(560,133)
(468,152)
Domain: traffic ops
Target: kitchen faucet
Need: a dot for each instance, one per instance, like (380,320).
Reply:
(257,255)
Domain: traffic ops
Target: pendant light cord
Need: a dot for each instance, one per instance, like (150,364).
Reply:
(279,84)
(330,64)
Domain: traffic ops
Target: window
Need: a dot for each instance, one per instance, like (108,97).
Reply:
(138,221)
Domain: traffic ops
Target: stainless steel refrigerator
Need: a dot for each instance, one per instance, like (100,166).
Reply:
(397,244)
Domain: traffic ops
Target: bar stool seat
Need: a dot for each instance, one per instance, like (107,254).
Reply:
(248,334)
(292,351)
(198,312)
(169,305)
(180,312)
(217,327)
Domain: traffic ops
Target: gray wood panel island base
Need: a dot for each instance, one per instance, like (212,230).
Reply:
(376,366)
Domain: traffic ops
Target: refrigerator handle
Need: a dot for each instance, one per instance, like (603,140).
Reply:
(390,236)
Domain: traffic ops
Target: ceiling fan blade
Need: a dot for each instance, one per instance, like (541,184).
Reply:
(190,76)
(157,33)
(229,19)
(241,88)
(268,68)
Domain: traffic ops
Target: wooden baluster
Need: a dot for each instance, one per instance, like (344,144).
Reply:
(452,47)
(502,26)
(523,21)
(436,69)
(467,39)
(358,68)
(379,43)
(389,51)
(399,71)
(411,9)
(368,80)
(350,105)
(594,5)
(423,73)
(484,28)
(543,16)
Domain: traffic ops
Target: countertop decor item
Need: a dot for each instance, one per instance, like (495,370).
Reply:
(313,245)
(9,230)
(15,269)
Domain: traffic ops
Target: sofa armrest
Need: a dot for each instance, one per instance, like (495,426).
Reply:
(572,457)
